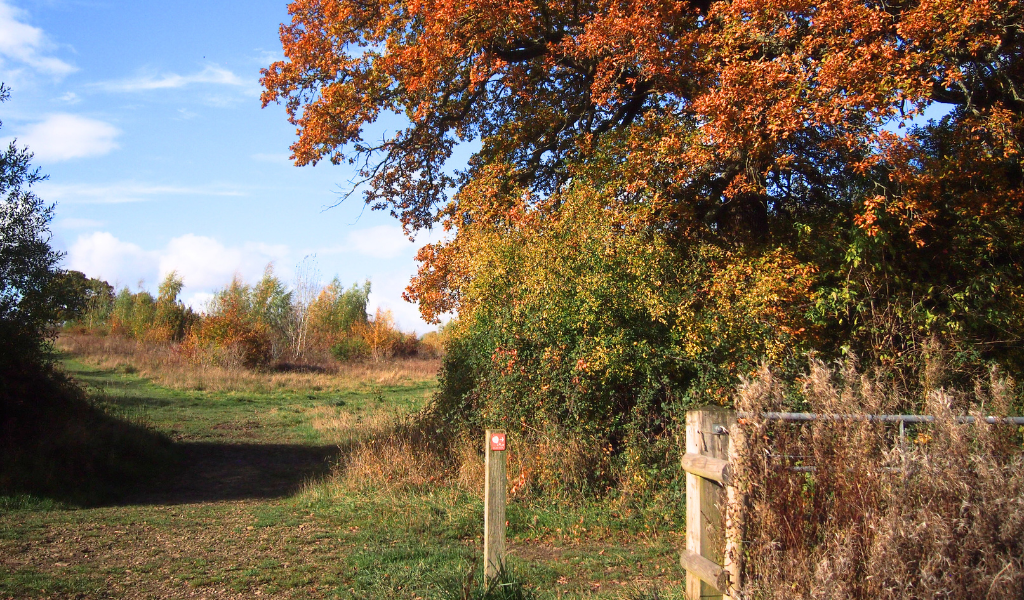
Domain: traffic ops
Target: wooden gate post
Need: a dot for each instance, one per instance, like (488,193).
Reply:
(706,463)
(736,513)
(494,504)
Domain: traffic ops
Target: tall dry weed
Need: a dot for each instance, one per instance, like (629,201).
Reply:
(846,509)
(393,463)
(558,465)
(395,453)
(388,453)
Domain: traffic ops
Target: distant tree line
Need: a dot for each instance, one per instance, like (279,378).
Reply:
(252,325)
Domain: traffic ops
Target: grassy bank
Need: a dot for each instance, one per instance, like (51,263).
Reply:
(60,442)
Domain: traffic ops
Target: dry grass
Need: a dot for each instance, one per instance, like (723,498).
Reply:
(941,515)
(382,452)
(163,363)
(343,427)
(394,464)
(556,464)
(392,453)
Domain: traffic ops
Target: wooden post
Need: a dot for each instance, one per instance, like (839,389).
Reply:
(494,504)
(735,517)
(707,434)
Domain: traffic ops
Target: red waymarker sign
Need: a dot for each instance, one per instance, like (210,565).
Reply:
(497,441)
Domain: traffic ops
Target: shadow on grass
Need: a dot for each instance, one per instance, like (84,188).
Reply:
(57,445)
(212,472)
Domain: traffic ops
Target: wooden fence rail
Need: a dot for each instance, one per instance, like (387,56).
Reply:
(968,419)
(714,504)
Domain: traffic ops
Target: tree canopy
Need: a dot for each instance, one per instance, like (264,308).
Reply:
(721,103)
(755,151)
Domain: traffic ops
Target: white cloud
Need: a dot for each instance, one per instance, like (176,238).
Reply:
(150,81)
(75,223)
(70,98)
(198,301)
(102,255)
(126,191)
(382,241)
(386,293)
(204,263)
(266,57)
(64,136)
(23,43)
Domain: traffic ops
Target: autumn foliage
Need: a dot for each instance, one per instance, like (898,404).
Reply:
(724,106)
(251,326)
(661,195)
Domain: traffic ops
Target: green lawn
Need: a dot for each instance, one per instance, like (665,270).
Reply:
(247,512)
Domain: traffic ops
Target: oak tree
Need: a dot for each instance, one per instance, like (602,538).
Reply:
(758,141)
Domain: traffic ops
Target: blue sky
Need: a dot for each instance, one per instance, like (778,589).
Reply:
(146,117)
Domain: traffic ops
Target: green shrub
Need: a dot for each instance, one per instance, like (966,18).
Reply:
(255,316)
(171,319)
(95,302)
(597,325)
(334,315)
(229,339)
(132,314)
(137,315)
(350,348)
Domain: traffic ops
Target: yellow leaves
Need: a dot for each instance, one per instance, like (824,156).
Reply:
(379,333)
(752,304)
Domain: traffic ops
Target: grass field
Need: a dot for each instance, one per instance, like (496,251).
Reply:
(260,504)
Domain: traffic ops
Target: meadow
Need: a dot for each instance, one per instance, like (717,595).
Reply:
(300,485)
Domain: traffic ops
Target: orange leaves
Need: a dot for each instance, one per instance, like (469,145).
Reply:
(963,167)
(438,283)
(504,360)
(538,87)
(728,124)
